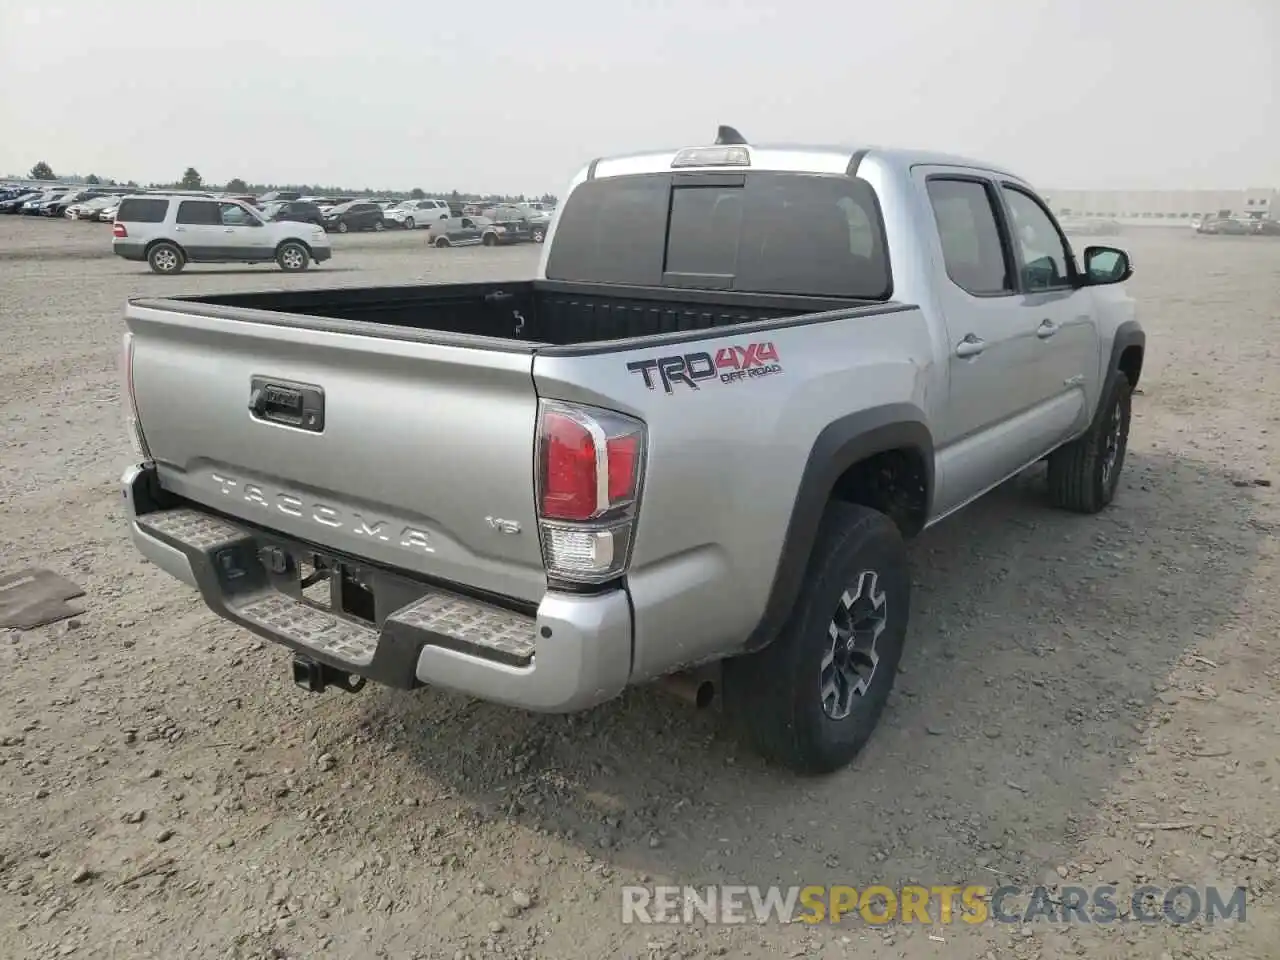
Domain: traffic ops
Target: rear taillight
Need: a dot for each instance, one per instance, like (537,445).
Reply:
(590,464)
(118,230)
(133,425)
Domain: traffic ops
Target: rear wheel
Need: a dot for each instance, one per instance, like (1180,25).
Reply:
(408,223)
(378,226)
(293,257)
(166,258)
(811,699)
(442,241)
(490,240)
(539,234)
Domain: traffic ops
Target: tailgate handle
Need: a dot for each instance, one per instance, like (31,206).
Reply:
(498,296)
(298,405)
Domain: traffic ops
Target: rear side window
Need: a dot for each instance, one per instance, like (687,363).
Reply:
(785,233)
(199,212)
(971,248)
(142,210)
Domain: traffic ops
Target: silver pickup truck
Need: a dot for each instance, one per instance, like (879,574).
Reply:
(690,450)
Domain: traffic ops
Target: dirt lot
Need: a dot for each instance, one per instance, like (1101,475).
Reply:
(1085,700)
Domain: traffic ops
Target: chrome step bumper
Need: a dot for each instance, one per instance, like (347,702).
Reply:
(574,653)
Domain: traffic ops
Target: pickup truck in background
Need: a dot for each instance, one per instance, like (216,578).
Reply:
(691,450)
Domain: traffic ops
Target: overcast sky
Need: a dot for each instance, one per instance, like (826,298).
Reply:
(514,95)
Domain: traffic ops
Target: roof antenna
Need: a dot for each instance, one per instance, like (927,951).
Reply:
(728,135)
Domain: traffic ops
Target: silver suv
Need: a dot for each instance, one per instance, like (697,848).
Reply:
(168,232)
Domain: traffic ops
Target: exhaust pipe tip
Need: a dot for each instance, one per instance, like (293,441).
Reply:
(704,694)
(697,688)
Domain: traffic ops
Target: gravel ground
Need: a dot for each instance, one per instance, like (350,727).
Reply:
(1085,700)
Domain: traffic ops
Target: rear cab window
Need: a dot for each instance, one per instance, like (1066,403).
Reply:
(781,233)
(142,210)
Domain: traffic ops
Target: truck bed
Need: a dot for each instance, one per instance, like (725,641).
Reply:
(533,312)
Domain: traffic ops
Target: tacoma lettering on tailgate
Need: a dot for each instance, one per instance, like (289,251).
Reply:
(326,515)
(729,365)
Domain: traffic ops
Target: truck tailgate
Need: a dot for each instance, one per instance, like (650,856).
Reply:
(401,452)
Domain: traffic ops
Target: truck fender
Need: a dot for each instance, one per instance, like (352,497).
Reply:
(839,446)
(1128,334)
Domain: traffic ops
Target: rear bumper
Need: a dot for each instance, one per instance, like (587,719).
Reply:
(129,249)
(574,653)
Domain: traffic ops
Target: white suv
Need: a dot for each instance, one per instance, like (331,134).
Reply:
(168,232)
(417,213)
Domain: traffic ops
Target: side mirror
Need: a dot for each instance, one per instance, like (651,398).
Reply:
(1106,265)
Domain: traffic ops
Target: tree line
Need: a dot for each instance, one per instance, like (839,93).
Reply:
(192,180)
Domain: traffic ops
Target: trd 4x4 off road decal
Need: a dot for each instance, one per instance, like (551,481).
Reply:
(729,365)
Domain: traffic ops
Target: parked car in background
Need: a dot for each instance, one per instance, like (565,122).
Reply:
(107,213)
(536,220)
(299,211)
(353,216)
(324,203)
(459,231)
(88,209)
(33,206)
(1229,226)
(411,214)
(271,195)
(168,232)
(59,207)
(501,234)
(15,203)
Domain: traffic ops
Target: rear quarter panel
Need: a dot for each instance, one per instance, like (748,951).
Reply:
(725,462)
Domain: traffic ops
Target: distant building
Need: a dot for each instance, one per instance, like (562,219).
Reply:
(1166,204)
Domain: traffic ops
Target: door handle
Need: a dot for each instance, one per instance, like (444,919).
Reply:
(970,346)
(1046,329)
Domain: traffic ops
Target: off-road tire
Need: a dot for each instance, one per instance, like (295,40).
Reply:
(1079,478)
(293,257)
(166,258)
(775,694)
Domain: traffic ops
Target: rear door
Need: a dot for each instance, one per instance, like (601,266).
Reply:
(981,433)
(366,215)
(198,228)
